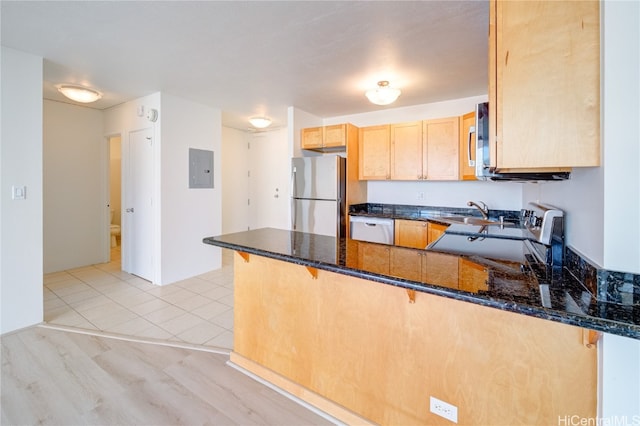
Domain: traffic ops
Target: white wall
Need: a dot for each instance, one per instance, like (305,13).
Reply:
(21,303)
(235,183)
(188,215)
(497,195)
(621,195)
(74,206)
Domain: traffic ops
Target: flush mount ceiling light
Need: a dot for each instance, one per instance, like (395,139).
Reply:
(79,93)
(383,94)
(260,122)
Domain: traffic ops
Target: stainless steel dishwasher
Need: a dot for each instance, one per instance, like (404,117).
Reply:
(372,229)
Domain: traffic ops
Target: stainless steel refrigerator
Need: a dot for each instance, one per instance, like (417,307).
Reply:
(318,195)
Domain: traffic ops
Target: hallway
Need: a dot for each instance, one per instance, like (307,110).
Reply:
(103,298)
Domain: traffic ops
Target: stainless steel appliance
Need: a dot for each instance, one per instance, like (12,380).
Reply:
(372,229)
(484,171)
(318,195)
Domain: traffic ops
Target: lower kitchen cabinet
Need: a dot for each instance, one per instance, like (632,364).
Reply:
(411,233)
(440,268)
(435,230)
(406,263)
(472,277)
(374,257)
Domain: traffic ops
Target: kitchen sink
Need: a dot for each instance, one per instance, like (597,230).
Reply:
(472,220)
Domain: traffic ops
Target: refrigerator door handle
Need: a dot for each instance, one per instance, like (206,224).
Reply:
(293,200)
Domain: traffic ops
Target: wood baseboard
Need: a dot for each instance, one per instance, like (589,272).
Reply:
(323,404)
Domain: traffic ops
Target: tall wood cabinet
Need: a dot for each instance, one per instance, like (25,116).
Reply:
(544,84)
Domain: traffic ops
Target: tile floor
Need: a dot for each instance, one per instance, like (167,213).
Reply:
(103,298)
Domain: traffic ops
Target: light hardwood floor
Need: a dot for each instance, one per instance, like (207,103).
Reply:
(58,377)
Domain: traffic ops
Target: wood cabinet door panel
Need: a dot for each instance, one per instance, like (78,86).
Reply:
(440,269)
(312,137)
(406,151)
(411,233)
(335,136)
(435,230)
(374,144)
(373,257)
(441,148)
(547,84)
(471,276)
(406,263)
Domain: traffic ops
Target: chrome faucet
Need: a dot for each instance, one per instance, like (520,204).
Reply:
(484,210)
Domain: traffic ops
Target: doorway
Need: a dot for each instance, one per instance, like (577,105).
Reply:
(115,197)
(269,180)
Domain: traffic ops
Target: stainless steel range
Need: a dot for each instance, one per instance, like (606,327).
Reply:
(537,241)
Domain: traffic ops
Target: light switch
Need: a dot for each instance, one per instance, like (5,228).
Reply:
(18,192)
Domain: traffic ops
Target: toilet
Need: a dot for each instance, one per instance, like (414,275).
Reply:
(115,231)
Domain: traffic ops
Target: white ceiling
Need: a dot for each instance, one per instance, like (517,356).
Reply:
(259,57)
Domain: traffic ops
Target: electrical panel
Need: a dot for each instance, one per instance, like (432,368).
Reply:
(200,168)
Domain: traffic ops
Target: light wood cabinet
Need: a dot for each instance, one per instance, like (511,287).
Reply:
(544,84)
(441,149)
(411,233)
(326,138)
(440,269)
(472,277)
(406,263)
(406,151)
(311,138)
(435,230)
(418,150)
(467,146)
(374,257)
(375,151)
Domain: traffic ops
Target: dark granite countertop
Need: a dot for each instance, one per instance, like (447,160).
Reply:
(509,287)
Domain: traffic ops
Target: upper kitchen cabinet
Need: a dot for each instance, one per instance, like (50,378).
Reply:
(440,149)
(468,146)
(544,84)
(374,152)
(406,151)
(410,151)
(327,138)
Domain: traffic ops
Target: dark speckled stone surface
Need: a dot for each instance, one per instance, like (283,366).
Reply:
(515,288)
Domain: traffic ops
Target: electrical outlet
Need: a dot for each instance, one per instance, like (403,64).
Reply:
(420,196)
(443,409)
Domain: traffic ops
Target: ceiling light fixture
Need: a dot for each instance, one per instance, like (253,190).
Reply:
(383,94)
(79,93)
(260,122)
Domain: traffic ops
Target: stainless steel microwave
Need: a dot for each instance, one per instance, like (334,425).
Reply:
(484,171)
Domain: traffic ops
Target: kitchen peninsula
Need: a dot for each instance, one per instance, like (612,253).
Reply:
(367,346)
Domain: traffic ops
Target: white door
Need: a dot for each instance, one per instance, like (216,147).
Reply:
(269,180)
(138,207)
